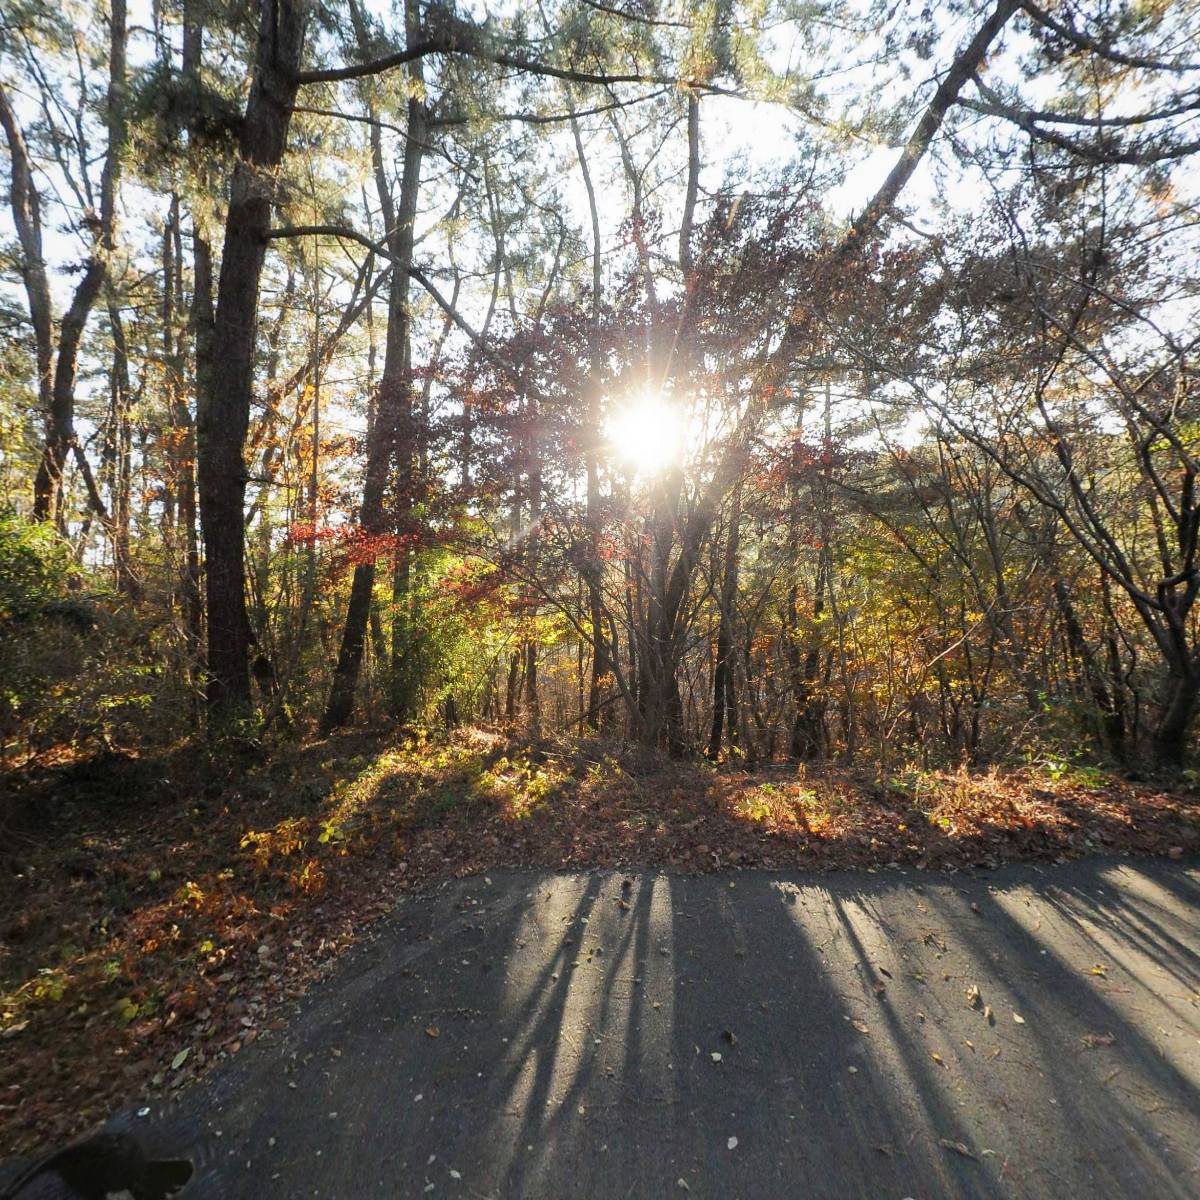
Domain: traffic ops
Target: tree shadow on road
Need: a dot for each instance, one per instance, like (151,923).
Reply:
(752,1035)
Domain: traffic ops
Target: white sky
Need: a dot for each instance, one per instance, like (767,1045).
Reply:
(755,135)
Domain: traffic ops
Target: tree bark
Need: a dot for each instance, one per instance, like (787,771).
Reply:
(1108,711)
(27,218)
(120,402)
(223,410)
(56,389)
(724,687)
(597,711)
(1182,699)
(393,402)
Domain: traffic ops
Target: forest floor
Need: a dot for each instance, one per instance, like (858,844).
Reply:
(158,909)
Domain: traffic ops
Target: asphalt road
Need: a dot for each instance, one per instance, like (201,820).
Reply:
(1034,1032)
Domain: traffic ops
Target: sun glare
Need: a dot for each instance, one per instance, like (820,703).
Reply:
(647,434)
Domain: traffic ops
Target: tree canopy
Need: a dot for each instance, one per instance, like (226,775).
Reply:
(797,378)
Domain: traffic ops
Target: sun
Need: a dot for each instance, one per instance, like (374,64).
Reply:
(647,434)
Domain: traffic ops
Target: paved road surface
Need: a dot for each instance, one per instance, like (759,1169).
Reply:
(739,1035)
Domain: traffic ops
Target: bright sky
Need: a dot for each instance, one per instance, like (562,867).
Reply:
(739,139)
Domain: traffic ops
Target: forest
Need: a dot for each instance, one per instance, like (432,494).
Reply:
(483,410)
(422,368)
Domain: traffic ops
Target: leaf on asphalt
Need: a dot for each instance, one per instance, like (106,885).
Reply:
(180,1058)
(731,1144)
(958,1148)
(988,1015)
(716,1056)
(1092,1040)
(974,999)
(1018,1019)
(729,1036)
(937,1058)
(861,1026)
(879,987)
(432,1031)
(1101,970)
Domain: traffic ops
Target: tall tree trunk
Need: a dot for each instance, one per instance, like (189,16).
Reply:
(401,672)
(533,703)
(122,399)
(26,207)
(724,686)
(661,701)
(598,711)
(393,402)
(223,415)
(202,321)
(1181,695)
(57,391)
(1111,720)
(512,689)
(805,739)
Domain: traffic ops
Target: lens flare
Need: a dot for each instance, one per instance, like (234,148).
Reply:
(648,434)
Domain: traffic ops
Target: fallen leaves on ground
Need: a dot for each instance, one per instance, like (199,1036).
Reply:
(161,902)
(958,1147)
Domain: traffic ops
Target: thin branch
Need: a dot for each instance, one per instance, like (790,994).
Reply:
(551,118)
(465,40)
(1084,42)
(1004,109)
